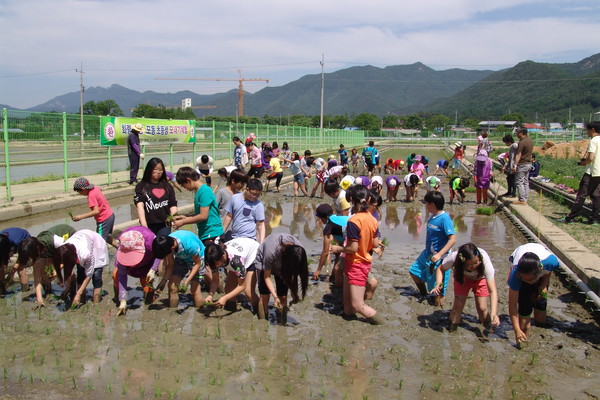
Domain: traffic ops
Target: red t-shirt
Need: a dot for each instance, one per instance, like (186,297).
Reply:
(96,198)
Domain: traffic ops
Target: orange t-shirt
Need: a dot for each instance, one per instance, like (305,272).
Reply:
(362,228)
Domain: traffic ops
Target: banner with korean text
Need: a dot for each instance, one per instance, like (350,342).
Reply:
(116,129)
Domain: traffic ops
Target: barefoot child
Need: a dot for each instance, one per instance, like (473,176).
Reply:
(457,186)
(298,173)
(206,209)
(334,229)
(528,283)
(100,209)
(362,236)
(10,239)
(39,251)
(183,253)
(439,240)
(392,184)
(237,257)
(473,270)
(87,251)
(135,258)
(282,256)
(411,181)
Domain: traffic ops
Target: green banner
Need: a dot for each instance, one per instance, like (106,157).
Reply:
(116,129)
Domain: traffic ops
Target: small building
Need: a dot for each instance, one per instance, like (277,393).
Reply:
(186,103)
(491,126)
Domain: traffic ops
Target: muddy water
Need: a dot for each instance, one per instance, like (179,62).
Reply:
(157,352)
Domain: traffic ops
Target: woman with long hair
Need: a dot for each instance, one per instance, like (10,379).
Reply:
(155,198)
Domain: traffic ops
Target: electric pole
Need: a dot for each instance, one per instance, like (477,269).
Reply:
(81,90)
(322,93)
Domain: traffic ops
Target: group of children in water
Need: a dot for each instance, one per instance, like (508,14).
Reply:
(231,238)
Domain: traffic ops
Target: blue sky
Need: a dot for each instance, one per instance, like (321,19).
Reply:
(131,42)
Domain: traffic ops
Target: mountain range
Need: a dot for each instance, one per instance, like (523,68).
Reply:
(529,88)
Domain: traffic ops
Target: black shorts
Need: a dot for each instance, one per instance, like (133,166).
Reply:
(280,288)
(529,299)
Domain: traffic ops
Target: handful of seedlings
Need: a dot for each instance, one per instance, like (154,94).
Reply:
(182,288)
(171,218)
(385,242)
(485,210)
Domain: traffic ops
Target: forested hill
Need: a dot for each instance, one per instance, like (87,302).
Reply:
(531,89)
(401,89)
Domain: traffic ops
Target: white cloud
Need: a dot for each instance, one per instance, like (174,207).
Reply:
(131,42)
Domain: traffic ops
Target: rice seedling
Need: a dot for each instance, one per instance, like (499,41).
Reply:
(73,383)
(437,387)
(342,361)
(90,385)
(30,377)
(398,364)
(172,394)
(124,390)
(142,391)
(484,210)
(4,373)
(533,359)
(157,392)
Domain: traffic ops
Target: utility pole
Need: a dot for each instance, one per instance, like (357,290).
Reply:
(322,93)
(81,90)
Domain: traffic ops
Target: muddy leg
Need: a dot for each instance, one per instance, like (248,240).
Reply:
(370,289)
(420,285)
(173,286)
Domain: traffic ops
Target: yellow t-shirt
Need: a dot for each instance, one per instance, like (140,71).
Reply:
(276,165)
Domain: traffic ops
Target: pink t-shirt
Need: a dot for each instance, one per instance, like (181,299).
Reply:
(96,198)
(417,169)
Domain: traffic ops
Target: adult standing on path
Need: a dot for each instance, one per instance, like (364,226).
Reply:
(134,151)
(588,186)
(522,165)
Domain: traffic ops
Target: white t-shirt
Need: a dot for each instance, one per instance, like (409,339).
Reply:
(91,250)
(488,268)
(204,166)
(594,147)
(535,248)
(244,248)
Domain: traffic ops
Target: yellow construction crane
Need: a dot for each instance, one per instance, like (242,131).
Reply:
(240,87)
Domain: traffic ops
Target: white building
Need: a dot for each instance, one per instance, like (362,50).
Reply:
(186,103)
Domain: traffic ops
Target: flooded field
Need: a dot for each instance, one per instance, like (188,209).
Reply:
(162,353)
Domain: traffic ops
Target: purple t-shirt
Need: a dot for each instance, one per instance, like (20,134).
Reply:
(390,178)
(147,263)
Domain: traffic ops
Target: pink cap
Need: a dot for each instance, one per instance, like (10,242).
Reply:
(131,248)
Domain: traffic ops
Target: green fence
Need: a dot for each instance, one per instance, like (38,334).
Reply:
(40,146)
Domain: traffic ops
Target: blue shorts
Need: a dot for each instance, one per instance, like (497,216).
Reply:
(420,269)
(299,178)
